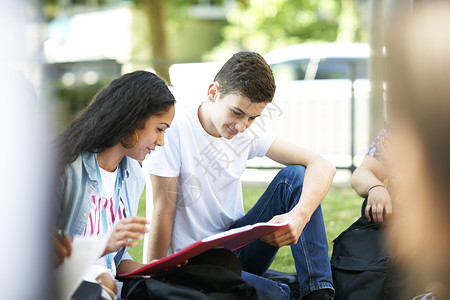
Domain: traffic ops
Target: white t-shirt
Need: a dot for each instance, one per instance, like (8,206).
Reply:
(209,169)
(94,227)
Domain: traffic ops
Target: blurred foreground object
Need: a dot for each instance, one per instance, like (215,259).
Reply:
(26,209)
(418,66)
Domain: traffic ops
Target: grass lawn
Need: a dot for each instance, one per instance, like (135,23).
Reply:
(341,207)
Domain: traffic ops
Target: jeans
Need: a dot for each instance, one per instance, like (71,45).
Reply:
(311,251)
(268,288)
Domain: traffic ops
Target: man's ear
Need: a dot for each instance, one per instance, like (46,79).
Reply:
(213,91)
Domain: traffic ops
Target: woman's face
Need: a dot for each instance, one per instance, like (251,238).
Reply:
(151,135)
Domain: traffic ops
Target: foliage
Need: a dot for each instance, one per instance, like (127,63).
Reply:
(176,11)
(340,209)
(78,97)
(263,26)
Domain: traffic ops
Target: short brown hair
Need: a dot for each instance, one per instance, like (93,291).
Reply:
(248,74)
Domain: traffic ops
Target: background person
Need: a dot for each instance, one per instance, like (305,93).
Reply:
(371,179)
(362,247)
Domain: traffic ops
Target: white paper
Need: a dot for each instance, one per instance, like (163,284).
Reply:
(85,250)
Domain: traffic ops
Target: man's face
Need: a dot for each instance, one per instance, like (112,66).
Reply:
(233,113)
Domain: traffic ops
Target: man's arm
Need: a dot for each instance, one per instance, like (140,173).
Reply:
(127,266)
(165,203)
(318,178)
(372,173)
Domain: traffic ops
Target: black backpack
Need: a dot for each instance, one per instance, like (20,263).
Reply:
(361,264)
(212,275)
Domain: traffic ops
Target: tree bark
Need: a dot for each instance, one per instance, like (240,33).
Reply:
(156,15)
(348,23)
(376,37)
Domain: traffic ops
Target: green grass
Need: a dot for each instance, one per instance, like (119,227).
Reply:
(341,207)
(136,251)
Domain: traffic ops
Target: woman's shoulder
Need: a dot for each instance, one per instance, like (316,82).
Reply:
(74,167)
(83,165)
(132,169)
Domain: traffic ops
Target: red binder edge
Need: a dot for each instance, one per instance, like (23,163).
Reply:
(232,239)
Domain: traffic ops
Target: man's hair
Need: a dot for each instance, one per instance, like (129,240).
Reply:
(248,74)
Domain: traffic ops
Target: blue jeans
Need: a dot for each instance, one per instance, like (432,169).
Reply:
(268,288)
(311,251)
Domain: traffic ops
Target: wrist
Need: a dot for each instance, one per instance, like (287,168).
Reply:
(301,214)
(375,186)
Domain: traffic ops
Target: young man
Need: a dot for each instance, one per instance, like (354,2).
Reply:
(197,189)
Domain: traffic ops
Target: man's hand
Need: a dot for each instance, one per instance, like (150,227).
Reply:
(126,232)
(287,235)
(380,202)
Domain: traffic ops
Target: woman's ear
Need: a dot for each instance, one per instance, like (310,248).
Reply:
(213,91)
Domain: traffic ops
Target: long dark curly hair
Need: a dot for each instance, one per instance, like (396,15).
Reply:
(124,105)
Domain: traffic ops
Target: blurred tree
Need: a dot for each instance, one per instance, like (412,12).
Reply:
(157,12)
(348,22)
(157,21)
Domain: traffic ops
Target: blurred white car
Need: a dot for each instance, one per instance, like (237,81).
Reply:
(314,92)
(319,61)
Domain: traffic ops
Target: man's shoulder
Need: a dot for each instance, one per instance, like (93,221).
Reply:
(185,115)
(185,110)
(258,130)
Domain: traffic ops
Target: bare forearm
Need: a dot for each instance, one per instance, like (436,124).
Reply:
(165,204)
(362,180)
(160,234)
(127,266)
(317,181)
(318,176)
(371,172)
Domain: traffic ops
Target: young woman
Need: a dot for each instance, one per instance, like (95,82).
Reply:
(100,180)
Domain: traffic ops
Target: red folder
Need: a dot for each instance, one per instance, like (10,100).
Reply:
(232,239)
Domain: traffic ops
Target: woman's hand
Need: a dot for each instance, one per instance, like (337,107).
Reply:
(380,202)
(126,232)
(63,247)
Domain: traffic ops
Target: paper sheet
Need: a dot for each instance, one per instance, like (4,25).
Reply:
(85,250)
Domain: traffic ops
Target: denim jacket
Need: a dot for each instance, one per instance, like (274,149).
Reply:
(79,183)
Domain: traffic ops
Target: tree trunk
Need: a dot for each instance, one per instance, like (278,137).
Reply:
(376,37)
(156,15)
(348,22)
